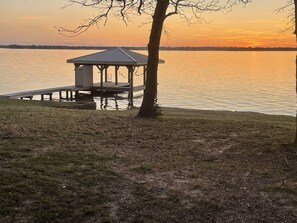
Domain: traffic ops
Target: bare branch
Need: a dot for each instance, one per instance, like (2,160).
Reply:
(288,8)
(126,8)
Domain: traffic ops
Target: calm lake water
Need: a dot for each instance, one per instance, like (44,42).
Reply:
(237,81)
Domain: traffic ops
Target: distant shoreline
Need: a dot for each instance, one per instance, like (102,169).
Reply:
(60,47)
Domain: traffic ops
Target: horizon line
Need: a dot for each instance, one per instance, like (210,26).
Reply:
(96,47)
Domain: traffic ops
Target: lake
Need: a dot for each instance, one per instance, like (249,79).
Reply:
(213,80)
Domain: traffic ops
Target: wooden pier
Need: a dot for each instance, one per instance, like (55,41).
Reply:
(67,92)
(83,67)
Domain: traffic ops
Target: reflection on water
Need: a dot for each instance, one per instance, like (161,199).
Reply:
(110,101)
(115,102)
(96,101)
(242,81)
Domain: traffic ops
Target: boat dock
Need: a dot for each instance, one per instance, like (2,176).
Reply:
(109,81)
(68,92)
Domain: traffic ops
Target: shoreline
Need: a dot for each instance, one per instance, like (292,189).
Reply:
(80,105)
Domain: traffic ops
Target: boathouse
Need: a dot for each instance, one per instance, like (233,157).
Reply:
(108,63)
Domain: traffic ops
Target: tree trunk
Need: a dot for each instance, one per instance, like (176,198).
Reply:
(148,103)
(296,99)
(295,32)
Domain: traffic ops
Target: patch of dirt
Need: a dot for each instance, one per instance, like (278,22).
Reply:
(227,169)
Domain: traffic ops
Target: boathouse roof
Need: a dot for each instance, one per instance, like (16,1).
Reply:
(115,56)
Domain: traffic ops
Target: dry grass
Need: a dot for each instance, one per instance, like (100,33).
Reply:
(63,165)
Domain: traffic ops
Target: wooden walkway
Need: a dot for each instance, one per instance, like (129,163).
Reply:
(107,87)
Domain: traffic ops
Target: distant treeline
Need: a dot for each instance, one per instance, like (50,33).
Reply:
(58,47)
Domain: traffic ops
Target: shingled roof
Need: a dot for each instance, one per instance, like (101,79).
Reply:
(115,56)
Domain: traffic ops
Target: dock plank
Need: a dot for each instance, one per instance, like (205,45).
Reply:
(107,86)
(43,91)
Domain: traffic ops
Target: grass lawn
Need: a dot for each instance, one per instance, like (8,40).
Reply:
(67,165)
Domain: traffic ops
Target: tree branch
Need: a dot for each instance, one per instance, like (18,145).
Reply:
(124,8)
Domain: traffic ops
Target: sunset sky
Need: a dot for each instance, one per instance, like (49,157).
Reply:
(34,22)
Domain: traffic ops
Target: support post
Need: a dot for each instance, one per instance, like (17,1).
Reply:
(60,95)
(106,67)
(51,96)
(101,76)
(144,75)
(42,97)
(131,76)
(116,75)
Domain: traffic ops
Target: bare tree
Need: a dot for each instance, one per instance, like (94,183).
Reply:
(160,10)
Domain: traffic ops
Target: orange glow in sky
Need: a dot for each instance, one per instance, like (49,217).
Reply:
(34,22)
